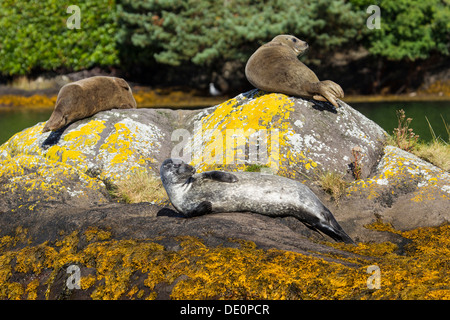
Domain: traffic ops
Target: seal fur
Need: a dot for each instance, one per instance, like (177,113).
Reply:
(84,98)
(275,67)
(216,191)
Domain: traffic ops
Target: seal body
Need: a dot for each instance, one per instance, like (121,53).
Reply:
(275,67)
(84,98)
(216,191)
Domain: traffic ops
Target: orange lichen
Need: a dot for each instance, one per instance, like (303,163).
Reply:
(246,272)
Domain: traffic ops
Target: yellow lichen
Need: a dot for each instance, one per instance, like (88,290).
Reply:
(40,179)
(225,134)
(244,272)
(397,171)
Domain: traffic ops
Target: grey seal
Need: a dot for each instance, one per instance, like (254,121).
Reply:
(275,67)
(84,98)
(217,191)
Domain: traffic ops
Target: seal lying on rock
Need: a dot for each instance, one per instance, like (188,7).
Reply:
(216,191)
(84,98)
(274,67)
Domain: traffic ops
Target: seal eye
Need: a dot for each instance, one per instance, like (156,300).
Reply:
(293,39)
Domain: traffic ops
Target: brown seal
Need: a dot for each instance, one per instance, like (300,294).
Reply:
(84,98)
(275,67)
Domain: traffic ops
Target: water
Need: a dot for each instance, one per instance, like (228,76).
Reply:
(13,121)
(382,113)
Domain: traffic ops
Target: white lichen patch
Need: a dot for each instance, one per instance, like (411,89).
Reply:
(397,168)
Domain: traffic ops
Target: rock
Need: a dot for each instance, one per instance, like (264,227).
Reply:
(405,191)
(110,144)
(296,136)
(26,180)
(55,207)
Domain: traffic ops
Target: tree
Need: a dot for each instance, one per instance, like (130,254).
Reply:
(209,33)
(34,36)
(410,29)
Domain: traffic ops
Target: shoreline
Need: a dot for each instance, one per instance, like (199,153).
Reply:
(176,99)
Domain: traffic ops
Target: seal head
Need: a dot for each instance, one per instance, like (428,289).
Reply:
(298,46)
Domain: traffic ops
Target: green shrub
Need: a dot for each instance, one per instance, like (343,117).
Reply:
(206,33)
(34,36)
(410,29)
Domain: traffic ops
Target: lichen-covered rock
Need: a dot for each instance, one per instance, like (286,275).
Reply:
(55,210)
(26,180)
(129,266)
(405,191)
(110,144)
(291,135)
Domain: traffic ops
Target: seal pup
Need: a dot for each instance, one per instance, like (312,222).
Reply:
(86,97)
(217,191)
(275,67)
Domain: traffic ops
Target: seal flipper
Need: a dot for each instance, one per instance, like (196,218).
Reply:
(332,228)
(329,226)
(219,176)
(205,207)
(335,233)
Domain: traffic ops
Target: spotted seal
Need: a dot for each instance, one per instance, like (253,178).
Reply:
(84,98)
(275,67)
(217,191)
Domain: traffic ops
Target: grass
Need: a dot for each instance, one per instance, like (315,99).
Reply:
(139,187)
(437,151)
(255,167)
(333,183)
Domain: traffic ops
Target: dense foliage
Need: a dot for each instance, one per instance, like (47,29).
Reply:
(34,36)
(207,32)
(410,29)
(204,35)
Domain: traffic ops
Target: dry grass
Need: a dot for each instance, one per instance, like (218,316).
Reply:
(436,152)
(404,136)
(333,183)
(140,187)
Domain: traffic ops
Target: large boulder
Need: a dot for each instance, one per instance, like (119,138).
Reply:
(55,207)
(293,136)
(110,144)
(404,191)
